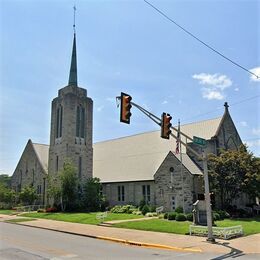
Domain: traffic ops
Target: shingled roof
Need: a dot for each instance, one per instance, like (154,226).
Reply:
(42,152)
(137,157)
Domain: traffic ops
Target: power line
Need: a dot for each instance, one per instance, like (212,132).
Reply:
(202,42)
(218,108)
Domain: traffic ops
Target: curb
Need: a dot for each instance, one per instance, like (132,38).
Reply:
(118,240)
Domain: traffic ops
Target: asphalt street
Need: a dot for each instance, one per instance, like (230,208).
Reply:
(20,243)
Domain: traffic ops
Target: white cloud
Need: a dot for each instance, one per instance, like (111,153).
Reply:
(164,102)
(256,71)
(244,123)
(212,94)
(256,131)
(236,89)
(215,80)
(110,99)
(213,85)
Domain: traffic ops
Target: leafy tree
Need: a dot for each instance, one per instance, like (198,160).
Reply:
(5,180)
(69,186)
(232,172)
(53,189)
(28,195)
(7,195)
(92,199)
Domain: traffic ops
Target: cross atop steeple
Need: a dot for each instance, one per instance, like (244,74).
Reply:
(73,77)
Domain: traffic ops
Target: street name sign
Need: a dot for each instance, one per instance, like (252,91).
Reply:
(199,141)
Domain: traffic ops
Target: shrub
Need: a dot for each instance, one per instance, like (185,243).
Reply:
(189,217)
(216,216)
(172,215)
(141,204)
(41,210)
(180,217)
(223,214)
(145,209)
(165,216)
(137,212)
(149,214)
(123,209)
(179,210)
(152,209)
(51,210)
(161,216)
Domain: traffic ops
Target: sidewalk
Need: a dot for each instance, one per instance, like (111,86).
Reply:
(249,244)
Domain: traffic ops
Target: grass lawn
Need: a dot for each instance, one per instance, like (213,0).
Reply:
(250,226)
(20,220)
(159,225)
(84,218)
(7,211)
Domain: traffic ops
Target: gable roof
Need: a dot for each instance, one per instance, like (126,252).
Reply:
(137,157)
(42,152)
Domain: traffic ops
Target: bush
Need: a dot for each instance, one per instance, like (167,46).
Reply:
(51,210)
(223,214)
(165,216)
(180,217)
(161,216)
(145,209)
(129,209)
(152,209)
(141,204)
(189,217)
(179,210)
(172,215)
(41,211)
(216,216)
(137,212)
(149,214)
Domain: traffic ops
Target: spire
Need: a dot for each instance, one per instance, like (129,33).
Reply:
(73,66)
(73,77)
(226,106)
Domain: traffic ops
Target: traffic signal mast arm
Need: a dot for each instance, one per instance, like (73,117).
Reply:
(158,121)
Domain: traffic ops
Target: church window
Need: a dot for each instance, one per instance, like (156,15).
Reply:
(173,202)
(80,166)
(32,176)
(146,193)
(39,189)
(80,122)
(59,116)
(121,193)
(57,163)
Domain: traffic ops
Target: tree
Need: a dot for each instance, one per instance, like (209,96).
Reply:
(53,189)
(232,172)
(28,195)
(69,186)
(5,180)
(92,199)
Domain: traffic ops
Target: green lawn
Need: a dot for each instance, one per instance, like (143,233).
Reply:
(84,218)
(250,226)
(7,211)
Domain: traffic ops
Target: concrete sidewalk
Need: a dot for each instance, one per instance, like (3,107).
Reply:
(249,244)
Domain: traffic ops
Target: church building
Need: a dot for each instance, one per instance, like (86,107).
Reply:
(131,169)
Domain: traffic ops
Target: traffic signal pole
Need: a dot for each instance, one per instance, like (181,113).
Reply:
(158,121)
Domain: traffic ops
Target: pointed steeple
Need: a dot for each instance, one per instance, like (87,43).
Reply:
(73,77)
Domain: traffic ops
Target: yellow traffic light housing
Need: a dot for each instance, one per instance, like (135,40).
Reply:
(166,126)
(125,113)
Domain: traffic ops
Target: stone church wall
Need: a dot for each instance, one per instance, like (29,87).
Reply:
(133,192)
(30,172)
(168,185)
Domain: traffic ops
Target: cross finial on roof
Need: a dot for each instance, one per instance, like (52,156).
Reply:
(226,106)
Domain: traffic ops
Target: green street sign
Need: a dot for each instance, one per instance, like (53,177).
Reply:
(199,141)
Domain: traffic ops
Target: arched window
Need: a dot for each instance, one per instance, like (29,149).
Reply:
(59,115)
(80,122)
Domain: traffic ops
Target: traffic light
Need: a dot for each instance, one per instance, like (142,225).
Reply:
(166,126)
(125,108)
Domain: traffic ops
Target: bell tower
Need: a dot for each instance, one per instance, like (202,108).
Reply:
(71,125)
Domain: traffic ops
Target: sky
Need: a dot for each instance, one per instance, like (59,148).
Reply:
(126,46)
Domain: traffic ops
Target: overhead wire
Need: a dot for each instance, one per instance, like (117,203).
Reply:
(201,41)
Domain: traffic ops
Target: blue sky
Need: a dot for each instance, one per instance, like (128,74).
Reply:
(126,46)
